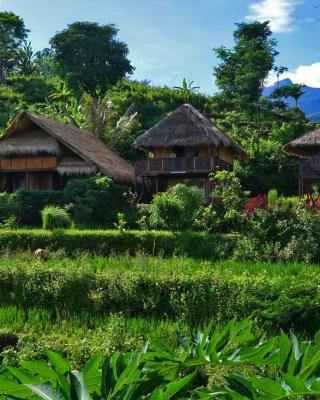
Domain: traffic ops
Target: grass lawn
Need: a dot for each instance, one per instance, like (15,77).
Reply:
(85,305)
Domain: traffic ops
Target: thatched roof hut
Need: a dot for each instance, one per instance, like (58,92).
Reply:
(32,134)
(32,142)
(304,146)
(186,126)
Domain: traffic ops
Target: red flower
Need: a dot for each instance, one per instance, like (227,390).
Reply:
(254,204)
(313,204)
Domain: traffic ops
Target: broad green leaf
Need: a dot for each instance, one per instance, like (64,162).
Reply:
(294,383)
(46,392)
(78,388)
(271,389)
(310,362)
(25,377)
(285,347)
(109,374)
(174,388)
(10,388)
(92,374)
(240,385)
(61,365)
(42,369)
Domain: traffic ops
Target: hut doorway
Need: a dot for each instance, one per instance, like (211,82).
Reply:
(185,151)
(13,181)
(40,180)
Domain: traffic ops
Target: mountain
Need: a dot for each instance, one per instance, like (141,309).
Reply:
(309,102)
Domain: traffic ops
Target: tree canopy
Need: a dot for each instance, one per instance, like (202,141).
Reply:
(12,34)
(90,56)
(242,70)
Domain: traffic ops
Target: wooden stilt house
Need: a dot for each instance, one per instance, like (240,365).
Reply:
(307,148)
(185,147)
(39,153)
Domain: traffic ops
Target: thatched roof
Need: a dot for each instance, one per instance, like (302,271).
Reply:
(83,143)
(31,142)
(186,126)
(75,166)
(304,146)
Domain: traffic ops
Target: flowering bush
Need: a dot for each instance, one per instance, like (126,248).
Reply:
(254,204)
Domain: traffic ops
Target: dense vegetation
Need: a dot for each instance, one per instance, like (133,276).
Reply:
(290,370)
(55,83)
(158,272)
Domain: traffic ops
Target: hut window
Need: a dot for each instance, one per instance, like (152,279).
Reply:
(191,151)
(20,180)
(179,151)
(185,151)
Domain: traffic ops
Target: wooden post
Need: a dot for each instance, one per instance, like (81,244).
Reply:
(28,180)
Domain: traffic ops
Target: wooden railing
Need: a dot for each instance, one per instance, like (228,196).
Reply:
(154,166)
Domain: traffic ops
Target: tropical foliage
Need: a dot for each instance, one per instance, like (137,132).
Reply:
(291,370)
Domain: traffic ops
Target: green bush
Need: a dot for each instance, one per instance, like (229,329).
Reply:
(272,197)
(95,201)
(30,203)
(176,289)
(228,201)
(192,244)
(175,209)
(286,232)
(92,202)
(55,218)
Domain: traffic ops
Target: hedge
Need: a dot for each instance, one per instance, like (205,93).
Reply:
(192,244)
(194,296)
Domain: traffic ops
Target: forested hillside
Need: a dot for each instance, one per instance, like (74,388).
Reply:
(84,79)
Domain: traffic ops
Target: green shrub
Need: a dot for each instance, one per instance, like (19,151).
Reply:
(175,209)
(287,232)
(92,202)
(272,197)
(8,207)
(177,289)
(96,201)
(55,218)
(228,200)
(30,203)
(192,244)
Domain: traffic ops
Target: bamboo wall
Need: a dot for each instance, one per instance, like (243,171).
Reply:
(28,163)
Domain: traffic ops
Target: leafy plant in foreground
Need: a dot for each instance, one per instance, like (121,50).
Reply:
(161,375)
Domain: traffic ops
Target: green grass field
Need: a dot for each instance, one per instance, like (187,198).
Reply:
(157,265)
(85,305)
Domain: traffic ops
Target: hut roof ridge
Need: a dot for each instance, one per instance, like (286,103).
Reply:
(186,126)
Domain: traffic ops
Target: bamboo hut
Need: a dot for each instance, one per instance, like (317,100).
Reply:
(307,148)
(184,147)
(39,153)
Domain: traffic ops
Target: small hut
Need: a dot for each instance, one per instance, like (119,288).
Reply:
(185,147)
(307,148)
(39,153)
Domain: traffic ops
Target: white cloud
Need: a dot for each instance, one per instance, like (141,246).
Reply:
(278,12)
(306,74)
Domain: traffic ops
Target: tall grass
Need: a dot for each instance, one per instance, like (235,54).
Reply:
(154,265)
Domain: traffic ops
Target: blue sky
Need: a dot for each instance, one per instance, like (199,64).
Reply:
(172,39)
